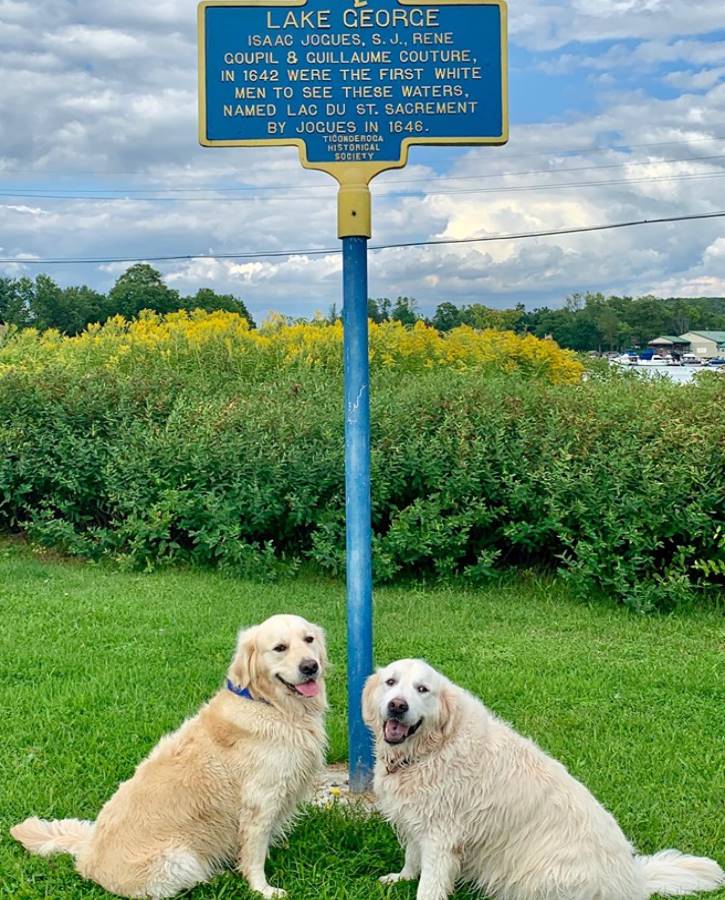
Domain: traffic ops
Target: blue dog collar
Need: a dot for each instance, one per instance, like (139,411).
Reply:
(240,692)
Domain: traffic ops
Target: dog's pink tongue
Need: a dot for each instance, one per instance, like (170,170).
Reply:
(308,688)
(395,730)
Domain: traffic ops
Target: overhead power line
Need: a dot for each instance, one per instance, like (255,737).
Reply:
(555,185)
(550,185)
(272,254)
(561,151)
(80,193)
(550,171)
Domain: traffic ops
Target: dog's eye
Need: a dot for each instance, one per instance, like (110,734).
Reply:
(280,648)
(390,682)
(309,639)
(422,689)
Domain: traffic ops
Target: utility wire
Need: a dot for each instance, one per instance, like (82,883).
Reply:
(271,254)
(64,192)
(581,150)
(555,185)
(548,186)
(622,165)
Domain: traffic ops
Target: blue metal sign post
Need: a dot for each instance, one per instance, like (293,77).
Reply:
(353,84)
(357,501)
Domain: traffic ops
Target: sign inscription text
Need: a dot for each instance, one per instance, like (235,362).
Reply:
(352,81)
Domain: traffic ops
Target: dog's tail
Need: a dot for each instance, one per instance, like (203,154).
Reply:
(674,874)
(46,838)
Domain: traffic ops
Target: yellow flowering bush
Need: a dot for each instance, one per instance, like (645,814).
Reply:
(222,342)
(194,439)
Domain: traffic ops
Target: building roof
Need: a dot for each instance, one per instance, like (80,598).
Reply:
(717,336)
(666,339)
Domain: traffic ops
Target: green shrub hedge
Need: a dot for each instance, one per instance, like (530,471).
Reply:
(618,483)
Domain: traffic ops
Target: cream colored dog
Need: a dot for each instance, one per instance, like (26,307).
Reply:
(474,801)
(220,788)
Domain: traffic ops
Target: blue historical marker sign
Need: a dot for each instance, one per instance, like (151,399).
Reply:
(352,81)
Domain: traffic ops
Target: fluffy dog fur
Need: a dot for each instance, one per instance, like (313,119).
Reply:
(472,800)
(220,788)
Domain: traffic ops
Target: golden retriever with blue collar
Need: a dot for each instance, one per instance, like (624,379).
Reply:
(472,800)
(218,790)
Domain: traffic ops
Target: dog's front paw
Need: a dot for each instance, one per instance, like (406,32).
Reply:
(271,892)
(392,878)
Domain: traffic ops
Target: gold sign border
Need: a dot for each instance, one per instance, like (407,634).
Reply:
(347,173)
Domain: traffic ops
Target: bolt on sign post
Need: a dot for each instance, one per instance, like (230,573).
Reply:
(353,84)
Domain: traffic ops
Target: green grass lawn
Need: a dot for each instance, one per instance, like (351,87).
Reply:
(96,664)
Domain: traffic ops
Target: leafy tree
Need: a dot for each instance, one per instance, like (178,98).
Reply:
(379,309)
(609,327)
(44,301)
(575,302)
(374,310)
(141,287)
(447,316)
(647,317)
(69,310)
(480,317)
(14,303)
(682,316)
(79,307)
(206,298)
(585,321)
(404,311)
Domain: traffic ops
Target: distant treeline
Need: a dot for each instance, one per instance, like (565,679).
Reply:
(584,322)
(41,303)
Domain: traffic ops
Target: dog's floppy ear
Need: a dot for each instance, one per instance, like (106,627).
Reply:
(242,671)
(448,705)
(322,641)
(368,700)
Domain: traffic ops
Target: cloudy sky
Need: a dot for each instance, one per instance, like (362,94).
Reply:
(617,113)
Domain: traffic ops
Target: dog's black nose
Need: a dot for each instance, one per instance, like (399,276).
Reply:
(309,667)
(397,707)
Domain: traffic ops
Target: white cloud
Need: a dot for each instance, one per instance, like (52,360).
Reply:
(545,26)
(714,256)
(28,210)
(104,96)
(95,43)
(642,57)
(701,80)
